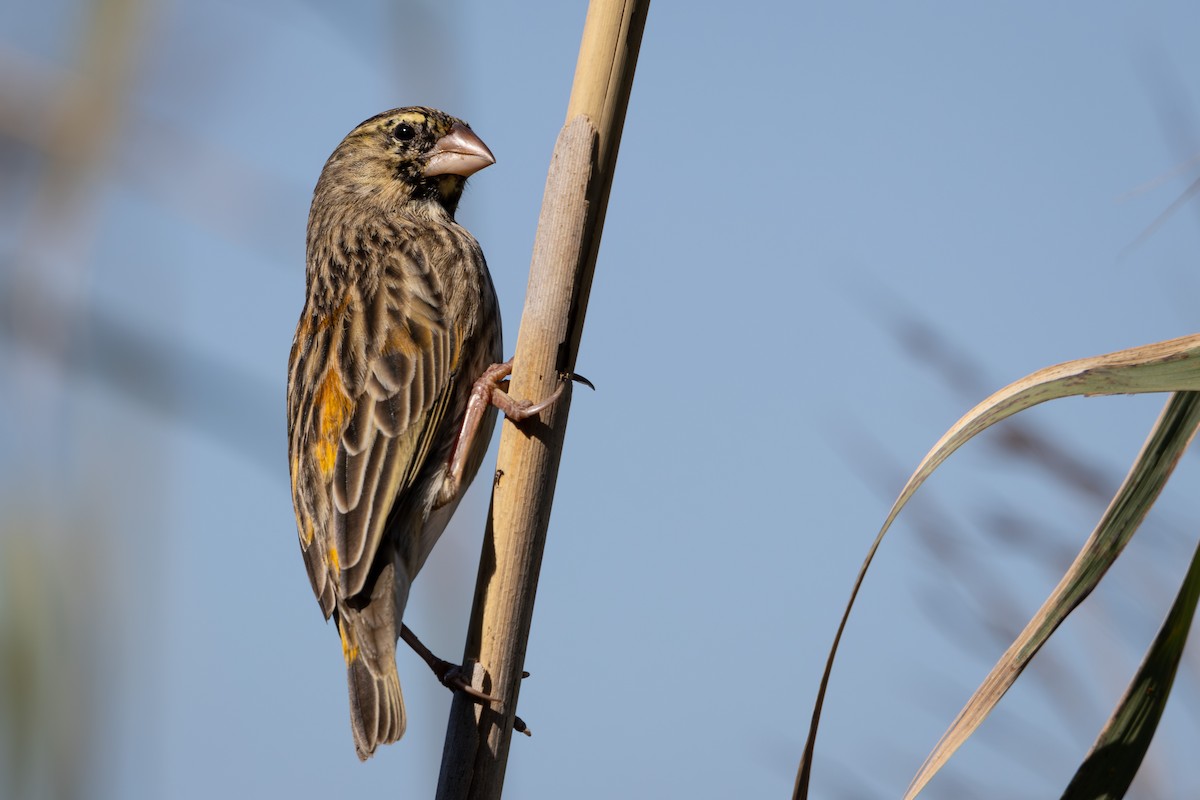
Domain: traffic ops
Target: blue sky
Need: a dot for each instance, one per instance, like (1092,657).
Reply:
(798,186)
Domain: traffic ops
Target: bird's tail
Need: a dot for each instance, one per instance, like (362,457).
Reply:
(376,706)
(369,646)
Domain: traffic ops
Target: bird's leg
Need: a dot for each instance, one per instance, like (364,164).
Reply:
(486,391)
(449,675)
(452,676)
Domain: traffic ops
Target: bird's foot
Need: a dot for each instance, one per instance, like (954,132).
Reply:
(457,679)
(488,391)
(454,677)
(450,675)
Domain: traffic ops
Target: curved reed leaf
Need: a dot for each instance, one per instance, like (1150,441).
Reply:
(1173,365)
(1171,435)
(1117,754)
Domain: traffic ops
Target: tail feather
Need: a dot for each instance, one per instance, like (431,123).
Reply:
(369,646)
(376,707)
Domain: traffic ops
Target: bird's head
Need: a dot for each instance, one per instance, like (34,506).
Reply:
(406,157)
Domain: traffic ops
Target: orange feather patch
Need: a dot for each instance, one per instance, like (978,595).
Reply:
(334,407)
(349,649)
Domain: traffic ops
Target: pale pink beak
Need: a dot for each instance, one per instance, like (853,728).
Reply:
(459,152)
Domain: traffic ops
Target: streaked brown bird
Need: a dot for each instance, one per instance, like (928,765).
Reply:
(385,429)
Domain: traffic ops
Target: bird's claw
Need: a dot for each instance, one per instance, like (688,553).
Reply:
(576,378)
(454,678)
(513,409)
(489,386)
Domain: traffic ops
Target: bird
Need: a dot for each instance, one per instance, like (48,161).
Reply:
(394,381)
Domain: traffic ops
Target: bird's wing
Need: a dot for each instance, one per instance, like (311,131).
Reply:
(388,440)
(310,493)
(376,408)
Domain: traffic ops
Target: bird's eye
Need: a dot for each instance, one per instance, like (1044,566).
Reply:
(404,132)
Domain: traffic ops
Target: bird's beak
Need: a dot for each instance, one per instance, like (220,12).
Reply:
(459,152)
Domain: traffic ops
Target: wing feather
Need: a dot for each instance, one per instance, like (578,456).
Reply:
(360,432)
(366,451)
(350,470)
(351,526)
(409,384)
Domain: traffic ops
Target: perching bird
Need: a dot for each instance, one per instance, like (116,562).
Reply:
(400,321)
